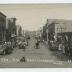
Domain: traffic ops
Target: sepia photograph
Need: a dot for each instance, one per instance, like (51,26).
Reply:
(35,35)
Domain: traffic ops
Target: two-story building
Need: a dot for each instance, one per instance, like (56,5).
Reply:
(2,27)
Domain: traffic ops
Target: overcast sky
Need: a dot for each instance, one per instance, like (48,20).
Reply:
(32,17)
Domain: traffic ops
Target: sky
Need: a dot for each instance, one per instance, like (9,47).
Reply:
(33,16)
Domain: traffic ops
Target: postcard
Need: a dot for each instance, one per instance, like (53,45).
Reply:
(35,35)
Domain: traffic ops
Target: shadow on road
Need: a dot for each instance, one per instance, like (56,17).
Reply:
(60,56)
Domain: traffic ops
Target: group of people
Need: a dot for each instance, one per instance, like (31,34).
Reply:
(63,42)
(65,45)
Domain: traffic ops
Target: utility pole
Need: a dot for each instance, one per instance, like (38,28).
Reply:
(47,31)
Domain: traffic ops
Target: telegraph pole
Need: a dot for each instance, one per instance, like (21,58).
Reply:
(47,31)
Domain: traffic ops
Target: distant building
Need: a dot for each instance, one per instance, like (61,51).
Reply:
(2,27)
(10,28)
(56,26)
(59,26)
(12,25)
(19,30)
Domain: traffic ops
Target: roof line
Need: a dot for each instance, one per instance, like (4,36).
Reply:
(2,14)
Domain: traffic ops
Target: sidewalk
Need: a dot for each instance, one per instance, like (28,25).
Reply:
(57,54)
(60,56)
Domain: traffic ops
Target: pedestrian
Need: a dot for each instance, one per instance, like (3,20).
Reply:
(27,42)
(37,44)
(23,59)
(69,48)
(69,55)
(59,41)
(65,43)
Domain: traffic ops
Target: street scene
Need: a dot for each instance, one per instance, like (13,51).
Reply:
(29,38)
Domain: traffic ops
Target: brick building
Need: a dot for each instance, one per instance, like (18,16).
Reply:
(10,28)
(2,27)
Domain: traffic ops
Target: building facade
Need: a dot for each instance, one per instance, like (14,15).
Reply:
(10,28)
(12,25)
(59,26)
(2,27)
(55,27)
